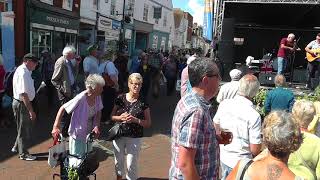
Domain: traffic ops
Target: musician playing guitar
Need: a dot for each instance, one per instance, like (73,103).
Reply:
(313,57)
(287,47)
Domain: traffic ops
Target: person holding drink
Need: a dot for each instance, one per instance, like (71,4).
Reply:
(245,127)
(134,114)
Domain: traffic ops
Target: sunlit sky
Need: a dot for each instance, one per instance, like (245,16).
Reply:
(194,7)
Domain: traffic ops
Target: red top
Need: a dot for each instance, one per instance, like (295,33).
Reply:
(282,52)
(2,76)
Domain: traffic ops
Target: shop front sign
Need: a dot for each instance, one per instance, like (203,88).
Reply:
(46,18)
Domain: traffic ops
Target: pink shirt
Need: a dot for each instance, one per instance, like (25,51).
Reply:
(79,108)
(184,80)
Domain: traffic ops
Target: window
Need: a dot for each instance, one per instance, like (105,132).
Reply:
(131,6)
(113,8)
(67,4)
(47,1)
(145,12)
(41,39)
(95,4)
(165,20)
(156,21)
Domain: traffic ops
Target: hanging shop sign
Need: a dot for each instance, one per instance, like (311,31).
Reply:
(104,24)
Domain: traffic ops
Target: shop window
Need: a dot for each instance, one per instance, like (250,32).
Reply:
(145,12)
(41,40)
(47,1)
(71,39)
(59,42)
(67,4)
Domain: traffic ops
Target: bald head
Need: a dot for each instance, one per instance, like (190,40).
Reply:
(291,37)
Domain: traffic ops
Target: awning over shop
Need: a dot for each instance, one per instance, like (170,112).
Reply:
(142,26)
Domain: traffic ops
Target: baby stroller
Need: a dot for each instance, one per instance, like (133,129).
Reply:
(85,167)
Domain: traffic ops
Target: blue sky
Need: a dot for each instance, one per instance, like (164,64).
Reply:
(194,7)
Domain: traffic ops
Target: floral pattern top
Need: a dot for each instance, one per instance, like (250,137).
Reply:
(136,109)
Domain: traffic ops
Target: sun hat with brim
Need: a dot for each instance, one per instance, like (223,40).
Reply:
(30,57)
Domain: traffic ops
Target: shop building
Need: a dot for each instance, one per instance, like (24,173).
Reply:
(52,25)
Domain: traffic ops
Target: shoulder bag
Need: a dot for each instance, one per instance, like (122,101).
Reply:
(109,82)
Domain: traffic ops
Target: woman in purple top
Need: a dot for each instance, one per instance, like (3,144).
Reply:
(86,113)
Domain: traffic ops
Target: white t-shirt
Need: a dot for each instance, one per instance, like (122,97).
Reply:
(239,116)
(228,91)
(91,65)
(313,45)
(23,83)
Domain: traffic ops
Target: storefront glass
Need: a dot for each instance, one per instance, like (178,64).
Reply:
(41,39)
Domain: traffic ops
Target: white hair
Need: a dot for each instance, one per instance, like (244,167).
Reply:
(67,50)
(249,86)
(291,35)
(93,80)
(303,111)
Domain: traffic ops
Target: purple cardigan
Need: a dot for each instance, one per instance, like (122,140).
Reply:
(79,108)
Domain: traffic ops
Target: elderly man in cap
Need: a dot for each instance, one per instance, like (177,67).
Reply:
(23,94)
(230,89)
(64,80)
(91,63)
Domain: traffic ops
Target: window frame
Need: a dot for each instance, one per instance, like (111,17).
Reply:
(145,12)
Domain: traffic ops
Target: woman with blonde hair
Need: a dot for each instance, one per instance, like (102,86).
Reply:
(134,114)
(281,136)
(305,162)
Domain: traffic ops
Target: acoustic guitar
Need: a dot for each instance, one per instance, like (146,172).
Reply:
(312,57)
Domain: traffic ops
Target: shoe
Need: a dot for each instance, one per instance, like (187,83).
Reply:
(27,157)
(14,150)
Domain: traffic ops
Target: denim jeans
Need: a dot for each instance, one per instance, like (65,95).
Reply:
(282,64)
(225,171)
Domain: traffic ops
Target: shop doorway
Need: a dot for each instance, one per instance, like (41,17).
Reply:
(141,41)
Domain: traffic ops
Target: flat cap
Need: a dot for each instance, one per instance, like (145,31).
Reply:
(31,57)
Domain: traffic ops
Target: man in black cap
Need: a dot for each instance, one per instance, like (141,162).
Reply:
(23,94)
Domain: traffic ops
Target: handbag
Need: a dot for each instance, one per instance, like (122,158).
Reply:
(109,82)
(56,151)
(114,132)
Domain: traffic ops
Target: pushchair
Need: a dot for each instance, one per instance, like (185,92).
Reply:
(85,167)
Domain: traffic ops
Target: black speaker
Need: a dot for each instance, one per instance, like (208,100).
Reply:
(226,44)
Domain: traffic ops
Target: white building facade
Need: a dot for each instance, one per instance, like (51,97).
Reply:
(153,30)
(180,29)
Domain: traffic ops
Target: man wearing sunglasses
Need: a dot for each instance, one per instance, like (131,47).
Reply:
(194,146)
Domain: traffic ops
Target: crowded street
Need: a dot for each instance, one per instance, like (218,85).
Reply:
(159,90)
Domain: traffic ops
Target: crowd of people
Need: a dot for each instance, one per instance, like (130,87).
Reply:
(114,89)
(289,132)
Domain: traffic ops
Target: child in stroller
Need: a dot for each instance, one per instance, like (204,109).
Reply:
(73,167)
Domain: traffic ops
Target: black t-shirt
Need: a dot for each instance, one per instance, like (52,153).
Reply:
(136,109)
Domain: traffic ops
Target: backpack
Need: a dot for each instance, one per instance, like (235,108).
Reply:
(8,84)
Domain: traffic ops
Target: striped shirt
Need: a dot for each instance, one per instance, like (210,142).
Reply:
(192,127)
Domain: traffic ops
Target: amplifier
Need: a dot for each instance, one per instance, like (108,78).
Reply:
(267,78)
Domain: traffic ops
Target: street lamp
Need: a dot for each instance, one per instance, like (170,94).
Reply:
(125,19)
